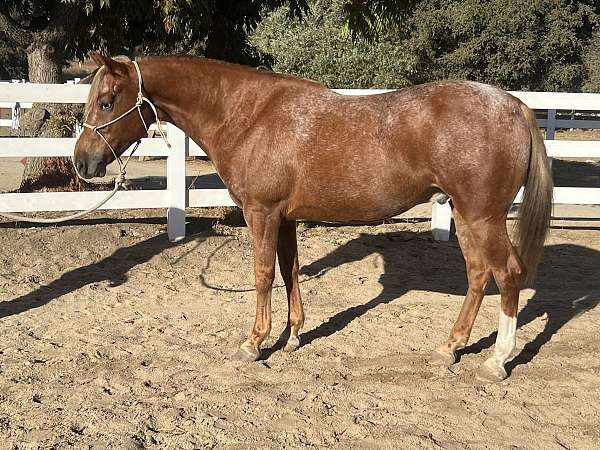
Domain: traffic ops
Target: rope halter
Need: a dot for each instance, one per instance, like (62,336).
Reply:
(138,105)
(120,179)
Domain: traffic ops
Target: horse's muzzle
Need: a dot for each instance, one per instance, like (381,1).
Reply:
(90,166)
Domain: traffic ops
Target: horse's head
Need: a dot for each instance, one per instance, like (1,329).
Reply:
(112,120)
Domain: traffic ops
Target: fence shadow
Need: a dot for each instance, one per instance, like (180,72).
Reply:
(575,173)
(113,268)
(566,286)
(87,222)
(201,181)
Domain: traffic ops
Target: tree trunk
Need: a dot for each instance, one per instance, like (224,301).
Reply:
(44,41)
(45,60)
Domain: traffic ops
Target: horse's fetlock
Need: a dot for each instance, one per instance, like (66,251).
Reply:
(261,331)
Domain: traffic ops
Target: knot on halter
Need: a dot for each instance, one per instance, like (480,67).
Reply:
(120,179)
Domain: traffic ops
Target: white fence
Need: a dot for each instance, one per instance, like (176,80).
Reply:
(176,197)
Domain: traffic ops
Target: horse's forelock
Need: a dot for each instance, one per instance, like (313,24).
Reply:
(95,82)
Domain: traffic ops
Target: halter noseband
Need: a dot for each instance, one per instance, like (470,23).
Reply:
(138,105)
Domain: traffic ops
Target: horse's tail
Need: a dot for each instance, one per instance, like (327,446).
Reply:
(536,207)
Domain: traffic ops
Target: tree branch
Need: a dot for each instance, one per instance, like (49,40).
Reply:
(12,31)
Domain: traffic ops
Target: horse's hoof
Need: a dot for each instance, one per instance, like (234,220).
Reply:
(442,358)
(246,353)
(490,372)
(292,344)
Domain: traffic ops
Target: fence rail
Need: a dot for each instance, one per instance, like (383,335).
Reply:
(176,197)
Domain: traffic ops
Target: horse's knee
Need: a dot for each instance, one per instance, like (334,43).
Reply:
(264,280)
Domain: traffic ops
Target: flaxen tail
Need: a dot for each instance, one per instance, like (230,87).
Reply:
(536,207)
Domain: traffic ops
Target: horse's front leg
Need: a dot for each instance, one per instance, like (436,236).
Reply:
(287,253)
(264,228)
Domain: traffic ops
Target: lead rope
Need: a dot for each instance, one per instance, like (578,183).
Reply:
(120,179)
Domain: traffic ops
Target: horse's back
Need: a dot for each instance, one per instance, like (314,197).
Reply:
(346,158)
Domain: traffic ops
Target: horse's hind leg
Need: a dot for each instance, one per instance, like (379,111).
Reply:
(501,257)
(287,252)
(478,275)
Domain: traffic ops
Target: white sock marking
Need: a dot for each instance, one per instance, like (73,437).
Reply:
(506,340)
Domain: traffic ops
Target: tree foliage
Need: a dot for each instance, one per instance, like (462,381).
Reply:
(13,62)
(216,28)
(367,20)
(320,48)
(541,45)
(513,44)
(592,64)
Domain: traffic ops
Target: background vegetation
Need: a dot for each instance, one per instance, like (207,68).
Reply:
(551,45)
(545,45)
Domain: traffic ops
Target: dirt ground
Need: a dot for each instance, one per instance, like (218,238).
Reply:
(112,337)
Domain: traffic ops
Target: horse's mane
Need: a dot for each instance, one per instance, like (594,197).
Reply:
(262,70)
(94,77)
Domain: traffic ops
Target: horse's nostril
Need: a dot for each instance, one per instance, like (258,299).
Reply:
(100,169)
(80,165)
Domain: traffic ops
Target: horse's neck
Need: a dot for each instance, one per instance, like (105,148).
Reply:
(202,98)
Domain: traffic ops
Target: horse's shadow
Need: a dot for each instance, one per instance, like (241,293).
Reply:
(567,283)
(113,269)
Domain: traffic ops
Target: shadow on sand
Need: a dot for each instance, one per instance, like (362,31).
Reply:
(113,268)
(567,284)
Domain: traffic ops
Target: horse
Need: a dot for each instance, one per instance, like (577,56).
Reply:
(289,149)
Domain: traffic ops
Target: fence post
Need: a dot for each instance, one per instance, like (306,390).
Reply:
(550,128)
(551,124)
(176,184)
(441,220)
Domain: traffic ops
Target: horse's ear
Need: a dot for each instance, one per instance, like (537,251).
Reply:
(99,59)
(113,66)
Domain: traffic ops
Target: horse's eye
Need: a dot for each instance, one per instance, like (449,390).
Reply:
(106,106)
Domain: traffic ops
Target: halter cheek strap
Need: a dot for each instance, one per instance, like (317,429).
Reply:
(138,105)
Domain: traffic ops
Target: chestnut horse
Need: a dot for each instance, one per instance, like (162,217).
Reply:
(290,149)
